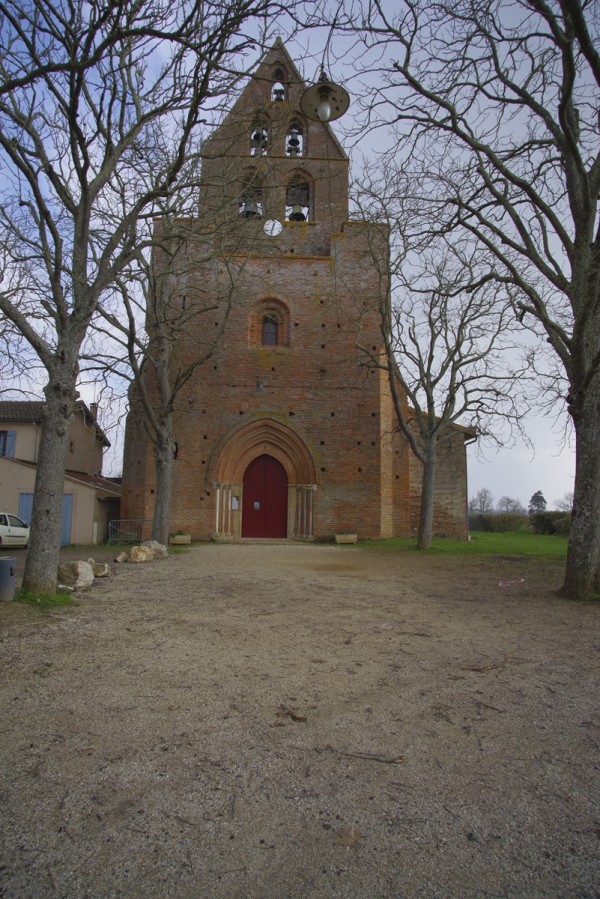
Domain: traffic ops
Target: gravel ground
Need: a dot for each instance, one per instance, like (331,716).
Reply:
(303,721)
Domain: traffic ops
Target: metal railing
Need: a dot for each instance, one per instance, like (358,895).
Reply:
(129,530)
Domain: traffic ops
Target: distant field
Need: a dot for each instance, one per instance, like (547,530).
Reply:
(511,543)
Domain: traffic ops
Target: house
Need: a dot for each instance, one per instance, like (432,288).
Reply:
(90,501)
(285,431)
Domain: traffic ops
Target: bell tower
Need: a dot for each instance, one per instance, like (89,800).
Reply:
(285,429)
(281,431)
(274,169)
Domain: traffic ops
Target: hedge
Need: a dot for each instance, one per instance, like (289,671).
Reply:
(498,522)
(551,523)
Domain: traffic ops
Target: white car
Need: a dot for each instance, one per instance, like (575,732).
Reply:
(13,531)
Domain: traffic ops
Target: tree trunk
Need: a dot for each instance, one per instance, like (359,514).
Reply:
(425,532)
(582,576)
(164,458)
(41,566)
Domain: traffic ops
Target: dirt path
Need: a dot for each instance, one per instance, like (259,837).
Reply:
(303,721)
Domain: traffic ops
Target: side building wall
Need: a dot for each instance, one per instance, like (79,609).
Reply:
(90,515)
(450,503)
(137,497)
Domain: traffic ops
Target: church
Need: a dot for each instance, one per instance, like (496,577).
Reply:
(286,429)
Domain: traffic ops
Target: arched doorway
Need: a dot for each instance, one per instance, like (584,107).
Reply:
(265,498)
(234,456)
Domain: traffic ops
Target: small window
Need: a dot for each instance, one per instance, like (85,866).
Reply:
(15,522)
(7,443)
(270,331)
(297,200)
(294,142)
(269,324)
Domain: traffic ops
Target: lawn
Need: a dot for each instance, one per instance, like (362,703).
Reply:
(511,543)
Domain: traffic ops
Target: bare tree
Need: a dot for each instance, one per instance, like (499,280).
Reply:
(33,32)
(17,364)
(88,147)
(444,347)
(482,502)
(153,337)
(19,367)
(565,504)
(495,111)
(510,505)
(446,336)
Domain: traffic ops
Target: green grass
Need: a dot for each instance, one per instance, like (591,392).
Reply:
(482,543)
(43,601)
(88,549)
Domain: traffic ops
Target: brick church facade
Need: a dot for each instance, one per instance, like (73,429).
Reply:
(284,431)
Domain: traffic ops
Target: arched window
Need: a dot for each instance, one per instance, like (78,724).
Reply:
(297,200)
(294,141)
(270,331)
(279,89)
(269,324)
(259,138)
(251,197)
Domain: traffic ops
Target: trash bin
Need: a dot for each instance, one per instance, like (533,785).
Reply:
(7,578)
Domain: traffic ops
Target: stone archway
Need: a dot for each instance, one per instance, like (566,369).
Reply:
(264,436)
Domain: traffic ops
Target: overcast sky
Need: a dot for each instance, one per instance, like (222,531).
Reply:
(519,472)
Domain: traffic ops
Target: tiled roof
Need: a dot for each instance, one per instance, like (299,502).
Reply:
(100,484)
(31,411)
(14,410)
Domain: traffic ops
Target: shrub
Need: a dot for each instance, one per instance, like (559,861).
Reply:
(475,521)
(500,522)
(551,523)
(541,522)
(562,524)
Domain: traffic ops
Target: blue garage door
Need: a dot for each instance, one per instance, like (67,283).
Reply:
(67,516)
(26,508)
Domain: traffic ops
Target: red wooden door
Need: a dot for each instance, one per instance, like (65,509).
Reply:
(264,510)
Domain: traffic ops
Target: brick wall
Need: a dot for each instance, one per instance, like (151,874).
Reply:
(450,503)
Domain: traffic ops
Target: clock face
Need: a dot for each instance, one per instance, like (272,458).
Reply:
(273,228)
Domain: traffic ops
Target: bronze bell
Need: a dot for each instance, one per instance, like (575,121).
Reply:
(250,210)
(293,145)
(296,215)
(259,142)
